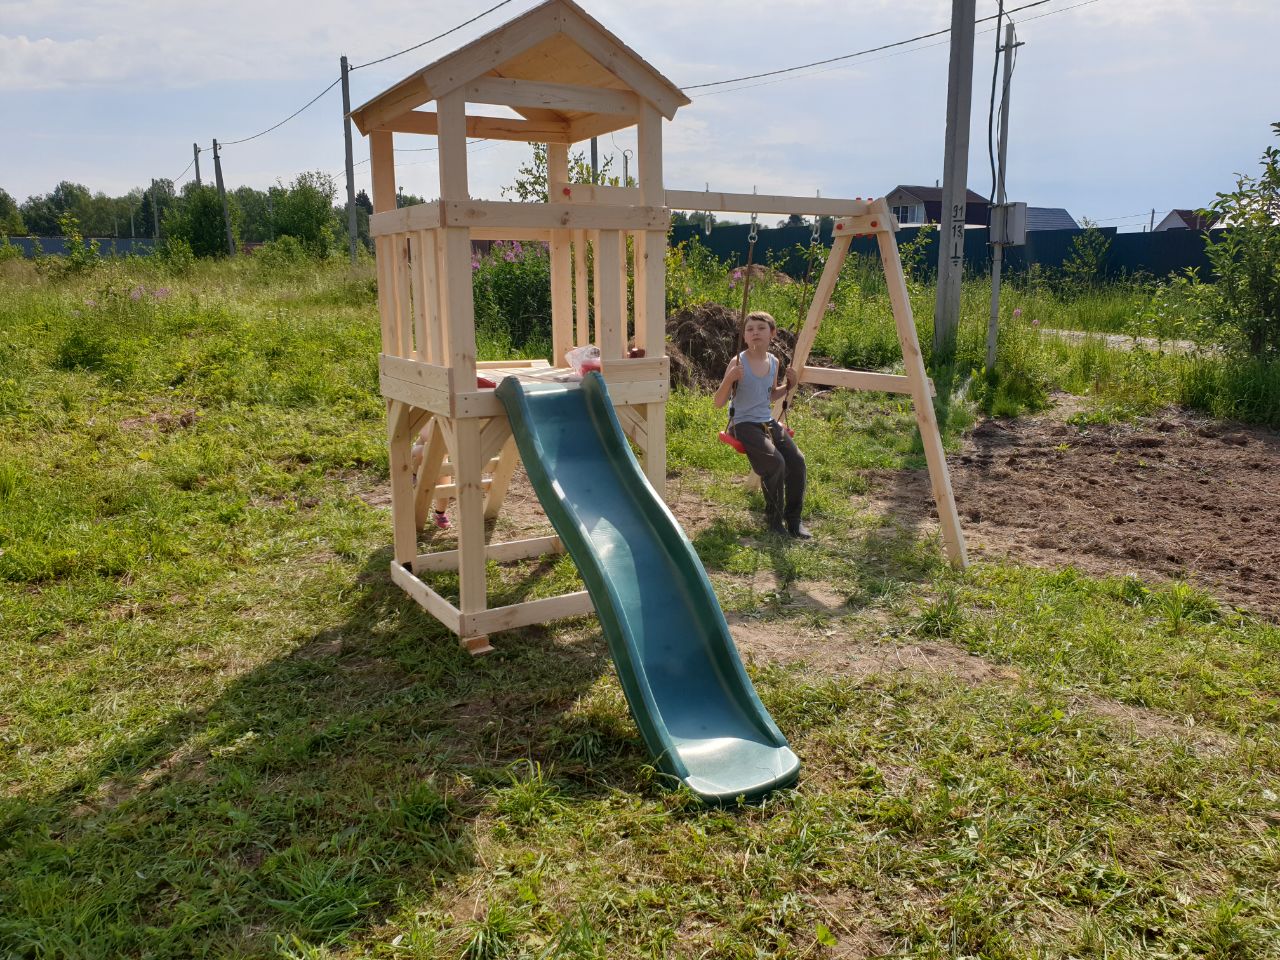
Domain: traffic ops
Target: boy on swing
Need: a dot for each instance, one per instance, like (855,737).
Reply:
(752,382)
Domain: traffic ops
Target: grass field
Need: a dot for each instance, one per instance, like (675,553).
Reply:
(224,733)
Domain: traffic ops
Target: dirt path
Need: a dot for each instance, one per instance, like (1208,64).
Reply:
(1173,496)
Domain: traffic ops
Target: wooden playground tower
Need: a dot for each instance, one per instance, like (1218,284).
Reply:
(568,79)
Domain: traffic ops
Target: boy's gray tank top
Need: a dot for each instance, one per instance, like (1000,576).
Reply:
(751,399)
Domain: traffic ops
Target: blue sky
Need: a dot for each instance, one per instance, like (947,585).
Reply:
(1118,106)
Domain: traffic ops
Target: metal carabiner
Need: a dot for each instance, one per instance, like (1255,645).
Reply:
(751,237)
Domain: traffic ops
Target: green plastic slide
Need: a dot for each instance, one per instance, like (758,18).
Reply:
(696,709)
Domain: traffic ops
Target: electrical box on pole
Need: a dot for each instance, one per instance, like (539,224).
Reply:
(1009,224)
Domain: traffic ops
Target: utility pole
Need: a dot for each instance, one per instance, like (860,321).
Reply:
(155,211)
(997,254)
(955,177)
(195,150)
(1152,228)
(222,195)
(351,170)
(595,162)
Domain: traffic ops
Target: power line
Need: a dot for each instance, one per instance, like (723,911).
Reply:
(433,39)
(231,143)
(178,179)
(858,53)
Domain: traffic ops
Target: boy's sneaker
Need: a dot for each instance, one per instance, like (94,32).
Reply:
(441,520)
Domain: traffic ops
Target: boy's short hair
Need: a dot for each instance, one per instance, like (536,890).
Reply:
(760,315)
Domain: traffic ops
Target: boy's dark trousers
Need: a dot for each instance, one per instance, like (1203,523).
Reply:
(780,465)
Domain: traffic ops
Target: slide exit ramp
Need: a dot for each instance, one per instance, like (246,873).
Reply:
(696,709)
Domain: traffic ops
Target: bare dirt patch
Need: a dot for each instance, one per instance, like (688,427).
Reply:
(1175,496)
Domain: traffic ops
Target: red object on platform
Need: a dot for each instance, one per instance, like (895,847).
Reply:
(484,383)
(731,440)
(589,365)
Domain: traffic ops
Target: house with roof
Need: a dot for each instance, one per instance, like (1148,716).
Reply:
(1185,220)
(1050,218)
(915,204)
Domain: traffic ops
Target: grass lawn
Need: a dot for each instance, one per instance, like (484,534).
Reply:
(224,733)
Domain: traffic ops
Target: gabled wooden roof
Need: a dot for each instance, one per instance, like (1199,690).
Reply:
(543,57)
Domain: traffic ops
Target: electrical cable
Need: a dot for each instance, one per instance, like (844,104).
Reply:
(433,39)
(859,53)
(991,109)
(232,143)
(178,179)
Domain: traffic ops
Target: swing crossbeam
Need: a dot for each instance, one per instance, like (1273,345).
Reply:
(765,203)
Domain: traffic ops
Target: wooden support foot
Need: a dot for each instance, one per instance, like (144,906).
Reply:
(475,645)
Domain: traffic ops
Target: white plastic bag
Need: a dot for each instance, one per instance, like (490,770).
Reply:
(583,359)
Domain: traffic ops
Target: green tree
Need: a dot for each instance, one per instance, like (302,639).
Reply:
(11,224)
(1086,264)
(42,212)
(1246,256)
(305,212)
(531,178)
(198,221)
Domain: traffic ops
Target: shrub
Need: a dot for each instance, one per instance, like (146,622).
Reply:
(1246,257)
(512,291)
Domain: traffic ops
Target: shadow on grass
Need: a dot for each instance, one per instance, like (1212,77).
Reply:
(312,796)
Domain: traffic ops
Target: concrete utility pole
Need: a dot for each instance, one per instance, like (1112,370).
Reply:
(195,149)
(351,170)
(222,195)
(595,162)
(955,176)
(1152,228)
(997,255)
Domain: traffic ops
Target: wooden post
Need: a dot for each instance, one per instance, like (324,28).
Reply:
(561,263)
(651,287)
(610,296)
(458,310)
(581,293)
(926,419)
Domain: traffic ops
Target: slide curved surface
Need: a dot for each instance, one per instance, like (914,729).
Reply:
(696,709)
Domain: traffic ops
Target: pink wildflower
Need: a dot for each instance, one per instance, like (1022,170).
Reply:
(1035,322)
(515,245)
(161,293)
(509,256)
(1017,312)
(136,293)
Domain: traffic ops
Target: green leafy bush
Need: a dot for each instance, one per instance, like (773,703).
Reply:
(512,291)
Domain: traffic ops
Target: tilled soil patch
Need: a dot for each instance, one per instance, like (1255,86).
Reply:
(1171,497)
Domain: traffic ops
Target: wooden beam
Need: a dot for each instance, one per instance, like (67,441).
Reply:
(530,612)
(430,375)
(581,293)
(623,64)
(417,216)
(868,224)
(428,599)
(926,419)
(483,404)
(487,128)
(560,191)
(561,97)
(492,50)
(404,96)
(762,203)
(501,479)
(382,170)
(597,125)
(561,263)
(399,443)
(857,380)
(611,295)
(482,213)
(498,552)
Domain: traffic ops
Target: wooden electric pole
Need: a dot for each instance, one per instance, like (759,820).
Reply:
(997,254)
(195,150)
(222,195)
(351,170)
(955,177)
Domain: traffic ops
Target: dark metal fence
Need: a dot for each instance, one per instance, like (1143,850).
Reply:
(1156,254)
(107,246)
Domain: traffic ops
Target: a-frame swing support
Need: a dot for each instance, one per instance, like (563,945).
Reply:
(872,218)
